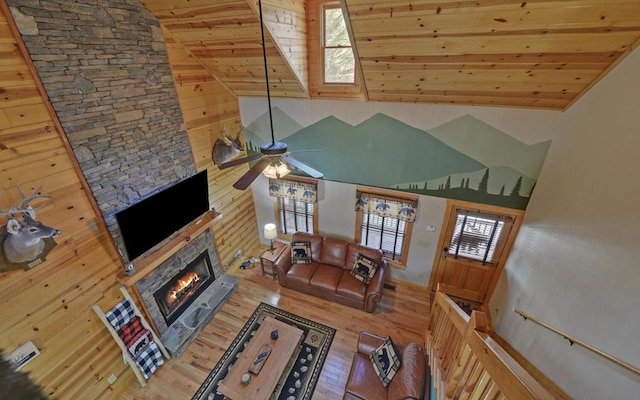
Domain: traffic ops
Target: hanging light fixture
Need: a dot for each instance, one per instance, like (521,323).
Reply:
(276,169)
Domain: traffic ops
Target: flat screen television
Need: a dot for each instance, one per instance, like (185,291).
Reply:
(155,218)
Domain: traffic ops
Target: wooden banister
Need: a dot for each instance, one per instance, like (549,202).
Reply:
(466,362)
(513,380)
(458,317)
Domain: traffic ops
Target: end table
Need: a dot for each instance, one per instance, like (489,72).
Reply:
(268,258)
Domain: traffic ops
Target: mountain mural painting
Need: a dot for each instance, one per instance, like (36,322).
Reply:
(464,159)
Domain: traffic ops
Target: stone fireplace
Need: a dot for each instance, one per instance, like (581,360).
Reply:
(183,293)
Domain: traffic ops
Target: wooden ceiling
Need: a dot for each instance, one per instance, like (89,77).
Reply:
(532,54)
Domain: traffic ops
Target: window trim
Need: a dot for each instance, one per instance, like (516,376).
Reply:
(317,90)
(277,210)
(408,226)
(333,5)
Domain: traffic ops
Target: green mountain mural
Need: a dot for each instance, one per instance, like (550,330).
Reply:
(464,159)
(380,151)
(491,146)
(259,131)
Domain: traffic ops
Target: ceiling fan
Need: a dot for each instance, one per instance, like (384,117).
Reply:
(272,159)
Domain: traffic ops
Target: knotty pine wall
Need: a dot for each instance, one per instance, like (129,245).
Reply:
(225,36)
(206,107)
(50,304)
(286,21)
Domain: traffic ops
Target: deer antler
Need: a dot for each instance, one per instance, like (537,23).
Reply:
(35,195)
(22,206)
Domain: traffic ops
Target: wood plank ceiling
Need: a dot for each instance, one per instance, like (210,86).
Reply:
(531,54)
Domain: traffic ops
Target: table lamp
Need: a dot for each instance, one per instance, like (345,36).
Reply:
(270,233)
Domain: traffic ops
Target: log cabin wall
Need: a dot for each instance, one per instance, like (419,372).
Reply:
(50,304)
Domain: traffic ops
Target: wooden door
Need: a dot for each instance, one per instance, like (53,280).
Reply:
(474,243)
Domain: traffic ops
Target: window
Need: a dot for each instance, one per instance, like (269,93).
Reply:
(338,58)
(320,14)
(479,236)
(294,216)
(384,233)
(384,220)
(295,205)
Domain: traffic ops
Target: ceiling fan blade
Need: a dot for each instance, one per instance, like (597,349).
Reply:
(239,161)
(246,179)
(303,150)
(303,167)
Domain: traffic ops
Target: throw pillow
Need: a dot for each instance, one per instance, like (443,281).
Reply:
(364,269)
(131,330)
(301,252)
(139,343)
(386,361)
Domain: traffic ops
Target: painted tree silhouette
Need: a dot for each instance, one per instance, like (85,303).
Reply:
(484,182)
(502,191)
(447,185)
(516,188)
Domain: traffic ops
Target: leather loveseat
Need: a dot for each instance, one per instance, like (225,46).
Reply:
(411,381)
(328,273)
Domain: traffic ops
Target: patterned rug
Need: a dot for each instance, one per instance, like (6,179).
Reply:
(299,380)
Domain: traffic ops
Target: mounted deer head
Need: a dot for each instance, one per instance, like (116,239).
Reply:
(227,148)
(25,239)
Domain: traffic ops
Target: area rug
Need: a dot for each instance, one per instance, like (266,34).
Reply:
(299,380)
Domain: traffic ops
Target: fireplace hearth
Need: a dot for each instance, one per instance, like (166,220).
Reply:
(183,294)
(177,294)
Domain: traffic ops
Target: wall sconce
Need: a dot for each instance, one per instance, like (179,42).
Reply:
(270,233)
(276,169)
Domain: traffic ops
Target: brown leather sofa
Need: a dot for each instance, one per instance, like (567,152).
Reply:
(328,276)
(410,382)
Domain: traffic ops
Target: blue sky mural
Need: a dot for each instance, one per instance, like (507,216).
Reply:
(464,159)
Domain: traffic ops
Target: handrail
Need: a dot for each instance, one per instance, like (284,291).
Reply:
(587,346)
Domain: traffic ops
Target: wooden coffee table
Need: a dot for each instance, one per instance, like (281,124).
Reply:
(262,384)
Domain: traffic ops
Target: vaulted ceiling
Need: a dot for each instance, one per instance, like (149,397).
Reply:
(532,54)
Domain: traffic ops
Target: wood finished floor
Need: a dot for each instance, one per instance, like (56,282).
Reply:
(402,314)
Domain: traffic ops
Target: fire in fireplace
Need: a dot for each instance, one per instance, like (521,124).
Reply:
(180,291)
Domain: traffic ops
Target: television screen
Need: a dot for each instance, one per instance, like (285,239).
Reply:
(153,219)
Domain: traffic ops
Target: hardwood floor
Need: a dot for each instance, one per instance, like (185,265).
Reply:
(402,314)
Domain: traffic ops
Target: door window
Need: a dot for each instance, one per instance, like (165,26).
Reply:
(479,236)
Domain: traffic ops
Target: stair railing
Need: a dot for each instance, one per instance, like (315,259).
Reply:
(466,362)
